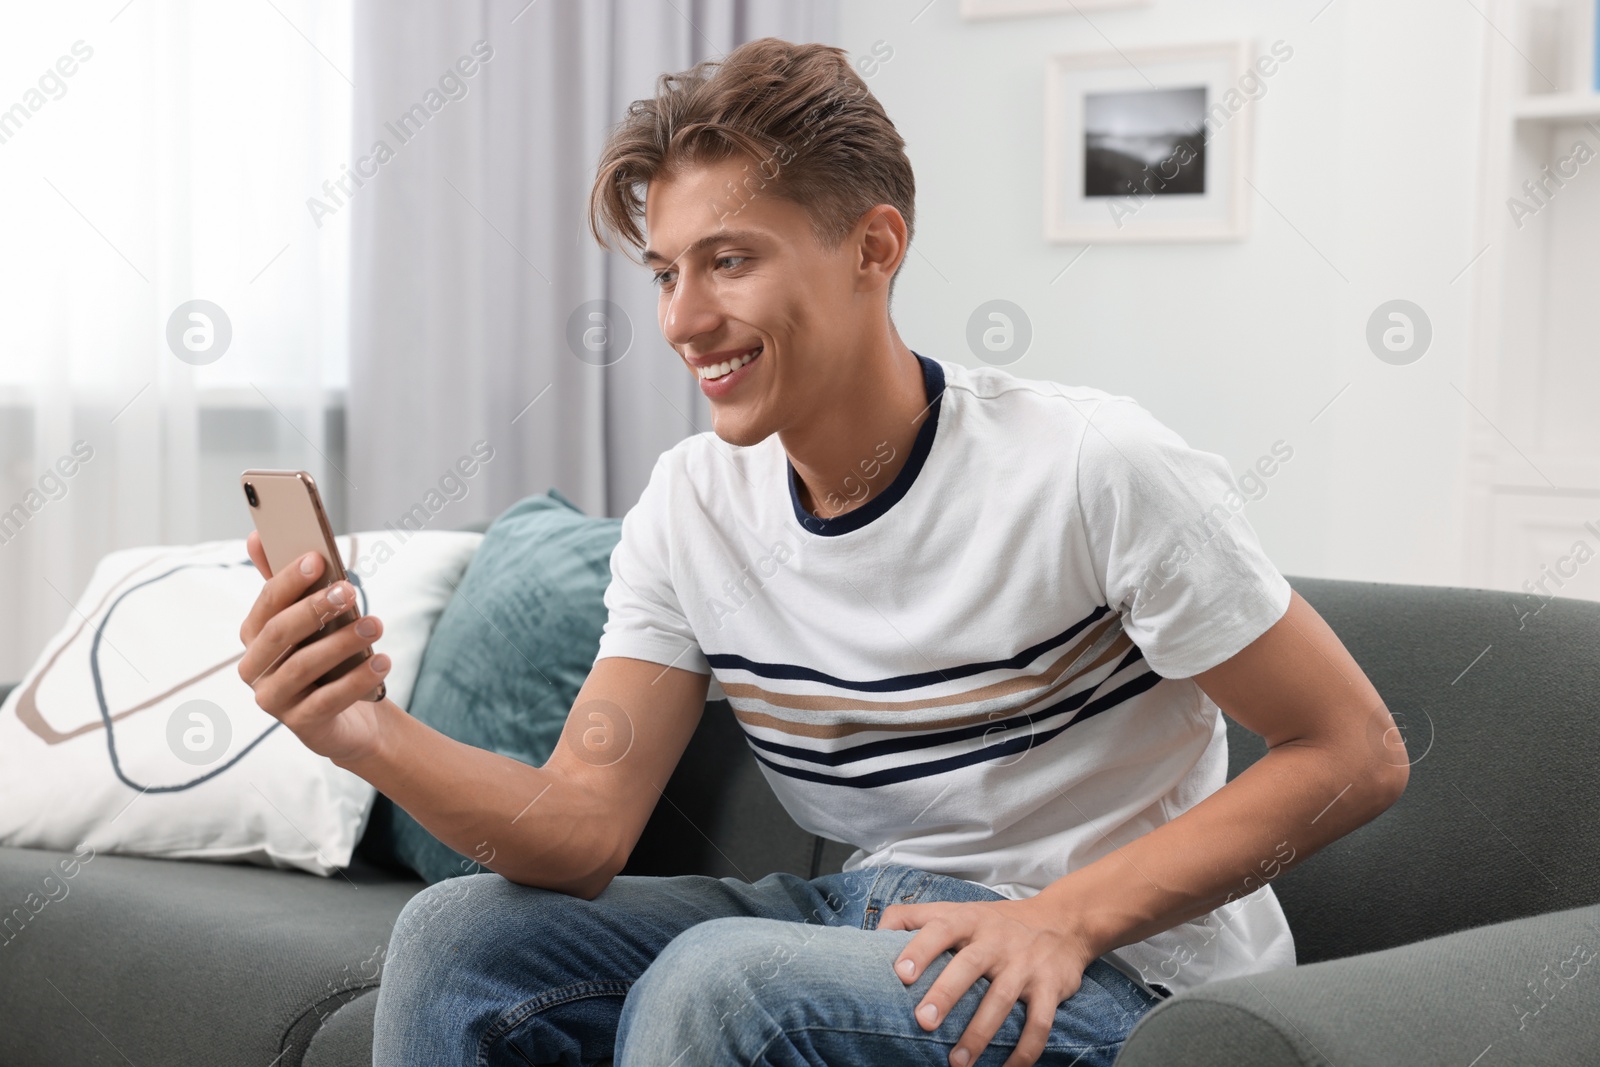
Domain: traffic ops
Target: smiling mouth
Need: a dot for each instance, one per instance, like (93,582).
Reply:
(727,366)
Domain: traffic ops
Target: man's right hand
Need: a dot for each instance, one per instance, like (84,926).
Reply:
(568,825)
(331,720)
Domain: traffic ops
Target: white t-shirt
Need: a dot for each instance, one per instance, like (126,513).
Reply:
(985,670)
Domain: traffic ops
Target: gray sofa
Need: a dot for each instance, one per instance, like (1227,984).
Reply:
(1458,928)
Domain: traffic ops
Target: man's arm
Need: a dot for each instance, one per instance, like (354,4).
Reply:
(1334,762)
(571,824)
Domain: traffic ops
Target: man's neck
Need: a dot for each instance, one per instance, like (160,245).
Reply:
(860,443)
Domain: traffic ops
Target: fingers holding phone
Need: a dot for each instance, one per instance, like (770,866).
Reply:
(258,555)
(299,583)
(295,634)
(291,643)
(308,655)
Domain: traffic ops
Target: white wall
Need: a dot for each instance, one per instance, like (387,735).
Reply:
(1365,141)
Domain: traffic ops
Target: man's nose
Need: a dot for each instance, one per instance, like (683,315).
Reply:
(691,310)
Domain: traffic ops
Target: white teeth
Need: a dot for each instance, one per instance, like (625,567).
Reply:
(716,371)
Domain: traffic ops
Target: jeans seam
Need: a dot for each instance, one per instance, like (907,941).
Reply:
(761,1053)
(869,909)
(877,878)
(550,998)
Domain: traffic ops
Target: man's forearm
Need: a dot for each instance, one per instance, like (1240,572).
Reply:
(480,803)
(1282,809)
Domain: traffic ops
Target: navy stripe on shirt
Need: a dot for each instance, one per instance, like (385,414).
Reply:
(793,672)
(928,768)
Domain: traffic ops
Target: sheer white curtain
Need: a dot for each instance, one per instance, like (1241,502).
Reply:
(152,154)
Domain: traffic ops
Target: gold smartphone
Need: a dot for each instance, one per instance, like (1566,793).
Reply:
(289,516)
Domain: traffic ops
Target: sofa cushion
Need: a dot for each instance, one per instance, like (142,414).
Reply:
(129,959)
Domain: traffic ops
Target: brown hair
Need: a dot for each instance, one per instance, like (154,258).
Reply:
(815,135)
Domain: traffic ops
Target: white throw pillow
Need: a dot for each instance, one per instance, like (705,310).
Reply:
(134,734)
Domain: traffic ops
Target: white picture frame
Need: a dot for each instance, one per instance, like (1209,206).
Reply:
(1150,145)
(997,9)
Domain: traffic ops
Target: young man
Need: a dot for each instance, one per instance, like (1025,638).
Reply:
(979,626)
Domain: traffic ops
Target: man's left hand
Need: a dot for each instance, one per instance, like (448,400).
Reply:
(1021,946)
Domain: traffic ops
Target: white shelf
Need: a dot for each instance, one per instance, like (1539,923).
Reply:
(1532,349)
(1558,107)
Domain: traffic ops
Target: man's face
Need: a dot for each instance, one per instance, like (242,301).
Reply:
(741,274)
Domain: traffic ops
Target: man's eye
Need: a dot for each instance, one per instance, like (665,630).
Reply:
(661,278)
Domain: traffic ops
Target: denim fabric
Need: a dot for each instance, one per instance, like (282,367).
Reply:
(694,970)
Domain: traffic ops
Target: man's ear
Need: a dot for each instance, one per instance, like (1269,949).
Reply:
(881,237)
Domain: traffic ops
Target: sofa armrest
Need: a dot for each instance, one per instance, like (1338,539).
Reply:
(1528,989)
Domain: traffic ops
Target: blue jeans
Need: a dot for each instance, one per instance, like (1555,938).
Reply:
(692,971)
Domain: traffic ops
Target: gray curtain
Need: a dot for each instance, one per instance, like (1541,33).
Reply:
(470,253)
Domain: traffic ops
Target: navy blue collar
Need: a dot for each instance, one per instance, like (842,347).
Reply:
(854,519)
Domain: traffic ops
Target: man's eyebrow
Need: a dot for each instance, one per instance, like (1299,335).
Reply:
(720,237)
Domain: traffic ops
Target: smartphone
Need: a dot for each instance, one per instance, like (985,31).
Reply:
(289,516)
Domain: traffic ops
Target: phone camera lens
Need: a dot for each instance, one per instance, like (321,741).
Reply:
(250,494)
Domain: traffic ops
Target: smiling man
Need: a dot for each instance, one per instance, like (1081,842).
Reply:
(958,661)
(965,620)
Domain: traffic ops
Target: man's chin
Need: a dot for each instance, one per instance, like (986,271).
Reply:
(738,431)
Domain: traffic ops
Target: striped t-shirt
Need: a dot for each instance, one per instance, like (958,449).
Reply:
(985,671)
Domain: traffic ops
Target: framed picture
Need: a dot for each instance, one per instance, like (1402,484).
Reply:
(994,9)
(1150,144)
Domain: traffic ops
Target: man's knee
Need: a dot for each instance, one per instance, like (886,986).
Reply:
(461,918)
(728,987)
(454,967)
(726,968)
(439,915)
